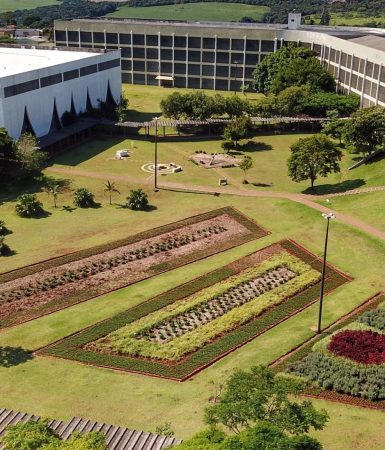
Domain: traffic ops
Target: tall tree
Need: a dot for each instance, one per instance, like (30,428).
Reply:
(237,130)
(54,189)
(245,165)
(30,157)
(313,157)
(111,188)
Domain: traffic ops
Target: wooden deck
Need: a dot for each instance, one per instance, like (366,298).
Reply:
(117,438)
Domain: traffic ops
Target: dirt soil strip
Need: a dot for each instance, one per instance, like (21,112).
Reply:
(70,347)
(235,229)
(330,395)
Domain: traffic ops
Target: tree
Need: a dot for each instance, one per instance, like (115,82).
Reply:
(365,131)
(325,17)
(110,187)
(3,229)
(237,130)
(4,248)
(335,126)
(83,198)
(30,157)
(312,157)
(28,206)
(173,106)
(53,188)
(121,110)
(245,165)
(137,199)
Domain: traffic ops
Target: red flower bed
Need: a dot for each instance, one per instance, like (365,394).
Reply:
(365,347)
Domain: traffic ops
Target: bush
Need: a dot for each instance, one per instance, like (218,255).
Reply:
(137,199)
(83,198)
(3,229)
(28,206)
(4,248)
(29,436)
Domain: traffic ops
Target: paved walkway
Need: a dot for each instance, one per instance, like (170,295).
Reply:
(307,200)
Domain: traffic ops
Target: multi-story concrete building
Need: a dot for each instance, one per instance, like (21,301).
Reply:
(37,86)
(222,56)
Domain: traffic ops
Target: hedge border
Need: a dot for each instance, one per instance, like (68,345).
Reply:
(69,347)
(256,232)
(304,349)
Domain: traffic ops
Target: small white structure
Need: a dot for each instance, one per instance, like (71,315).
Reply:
(121,154)
(37,86)
(294,22)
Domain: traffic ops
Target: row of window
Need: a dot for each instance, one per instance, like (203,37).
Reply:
(165,41)
(21,88)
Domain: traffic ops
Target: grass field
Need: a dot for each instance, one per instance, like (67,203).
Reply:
(228,12)
(351,19)
(13,5)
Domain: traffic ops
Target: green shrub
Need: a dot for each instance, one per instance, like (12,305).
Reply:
(137,200)
(83,198)
(4,248)
(3,229)
(28,206)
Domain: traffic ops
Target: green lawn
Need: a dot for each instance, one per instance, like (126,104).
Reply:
(227,12)
(350,19)
(13,5)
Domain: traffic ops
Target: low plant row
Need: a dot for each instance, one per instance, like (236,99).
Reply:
(103,265)
(73,347)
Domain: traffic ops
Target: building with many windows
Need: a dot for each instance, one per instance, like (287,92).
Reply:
(37,86)
(222,56)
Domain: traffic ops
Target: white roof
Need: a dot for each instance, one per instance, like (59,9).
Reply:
(14,61)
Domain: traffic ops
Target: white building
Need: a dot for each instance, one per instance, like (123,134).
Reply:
(38,86)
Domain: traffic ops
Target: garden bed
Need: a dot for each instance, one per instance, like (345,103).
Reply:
(182,331)
(60,282)
(346,362)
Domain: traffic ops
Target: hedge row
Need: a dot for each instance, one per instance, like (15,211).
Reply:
(71,347)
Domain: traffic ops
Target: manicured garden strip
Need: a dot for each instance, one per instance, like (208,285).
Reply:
(68,347)
(256,230)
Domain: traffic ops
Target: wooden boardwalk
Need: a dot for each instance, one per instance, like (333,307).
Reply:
(117,438)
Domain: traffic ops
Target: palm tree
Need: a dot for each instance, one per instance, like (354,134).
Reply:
(110,188)
(53,189)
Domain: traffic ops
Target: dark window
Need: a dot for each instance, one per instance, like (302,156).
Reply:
(166,54)
(237,58)
(382,94)
(98,38)
(375,71)
(208,70)
(166,41)
(222,85)
(138,52)
(85,36)
(249,72)
(138,39)
(251,59)
(267,46)
(60,35)
(343,59)
(88,70)
(317,49)
(369,68)
(252,46)
(152,53)
(71,74)
(237,44)
(105,65)
(126,78)
(208,43)
(126,52)
(51,79)
(208,56)
(222,71)
(235,85)
(151,79)
(262,57)
(180,55)
(73,36)
(180,82)
(74,45)
(126,65)
(86,45)
(165,67)
(139,78)
(180,41)
(180,68)
(222,57)
(194,83)
(194,69)
(194,56)
(194,42)
(20,88)
(223,44)
(152,39)
(125,38)
(152,66)
(356,64)
(326,52)
(207,83)
(333,55)
(139,66)
(111,38)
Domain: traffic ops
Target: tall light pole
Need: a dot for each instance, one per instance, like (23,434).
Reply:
(156,155)
(236,62)
(327,217)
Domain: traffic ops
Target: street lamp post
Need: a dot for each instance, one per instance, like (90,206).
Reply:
(156,155)
(327,217)
(235,77)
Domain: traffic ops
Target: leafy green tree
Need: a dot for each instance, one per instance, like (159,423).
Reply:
(83,198)
(235,106)
(137,199)
(28,206)
(237,130)
(30,157)
(4,248)
(227,146)
(173,106)
(111,188)
(7,145)
(319,103)
(29,436)
(245,165)
(121,110)
(365,131)
(335,126)
(312,157)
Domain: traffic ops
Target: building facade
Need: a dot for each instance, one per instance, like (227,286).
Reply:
(37,86)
